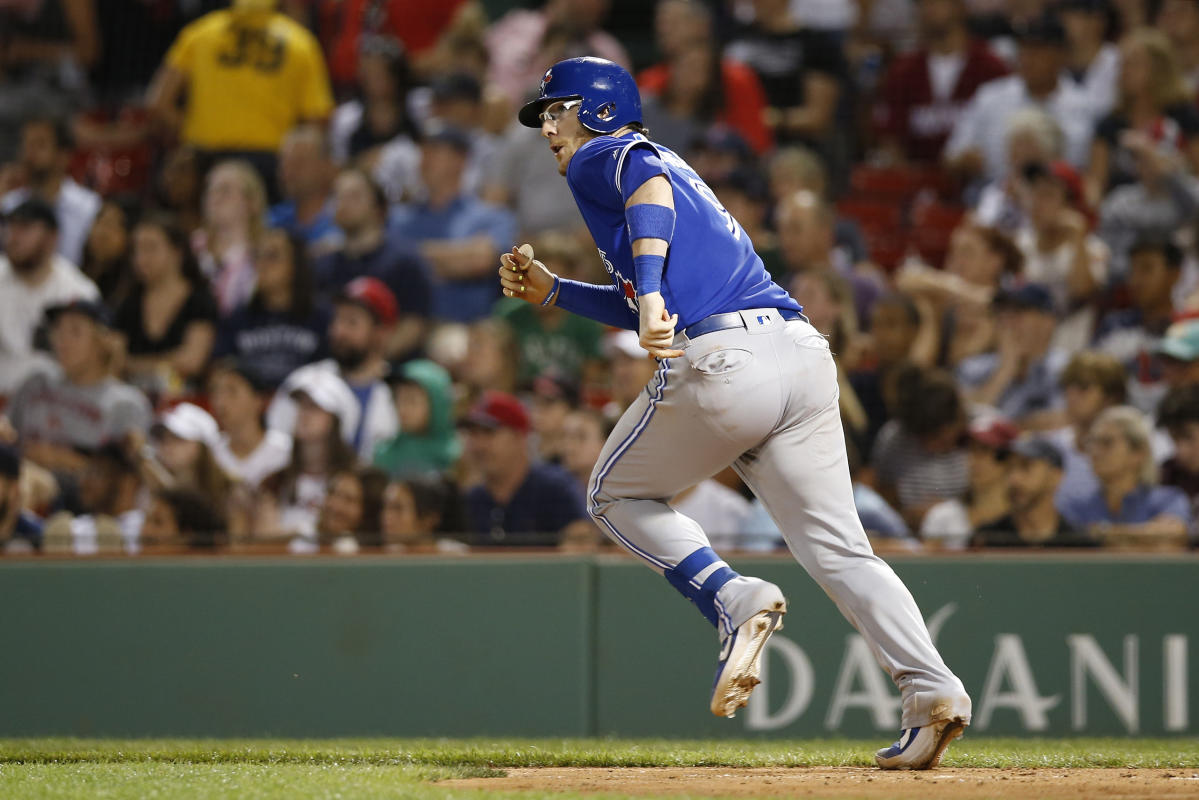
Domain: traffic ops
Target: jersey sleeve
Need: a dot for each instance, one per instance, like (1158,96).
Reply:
(636,164)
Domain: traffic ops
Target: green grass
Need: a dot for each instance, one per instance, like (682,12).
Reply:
(124,769)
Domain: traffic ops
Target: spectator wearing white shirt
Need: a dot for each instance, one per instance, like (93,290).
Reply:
(720,511)
(978,145)
(1093,63)
(33,278)
(46,146)
(246,450)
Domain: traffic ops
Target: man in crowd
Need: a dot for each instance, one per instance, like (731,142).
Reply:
(78,405)
(460,236)
(33,277)
(46,146)
(305,176)
(520,501)
(1033,477)
(364,314)
(368,250)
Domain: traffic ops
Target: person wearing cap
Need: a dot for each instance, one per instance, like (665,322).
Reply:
(246,450)
(47,145)
(236,80)
(629,370)
(1131,335)
(520,501)
(324,409)
(20,529)
(305,181)
(459,235)
(977,145)
(283,325)
(1033,476)
(427,440)
(182,454)
(77,403)
(924,92)
(364,314)
(33,277)
(1020,378)
(553,395)
(1129,507)
(110,517)
(1178,353)
(370,250)
(951,522)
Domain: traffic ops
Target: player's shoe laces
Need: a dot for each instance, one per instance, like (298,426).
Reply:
(921,748)
(740,660)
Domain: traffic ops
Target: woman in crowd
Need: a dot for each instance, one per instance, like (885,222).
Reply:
(380,113)
(234,213)
(1128,507)
(288,508)
(350,514)
(955,303)
(183,518)
(1091,383)
(952,522)
(247,450)
(108,249)
(1152,100)
(182,455)
(282,327)
(168,320)
(416,510)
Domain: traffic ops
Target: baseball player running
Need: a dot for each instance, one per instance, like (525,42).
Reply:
(742,379)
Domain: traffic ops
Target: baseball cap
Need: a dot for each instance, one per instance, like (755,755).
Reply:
(92,309)
(1029,297)
(457,86)
(498,410)
(330,393)
(34,209)
(189,421)
(623,343)
(1037,448)
(553,385)
(994,431)
(1180,342)
(373,295)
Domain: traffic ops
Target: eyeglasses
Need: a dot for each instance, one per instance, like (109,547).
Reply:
(556,114)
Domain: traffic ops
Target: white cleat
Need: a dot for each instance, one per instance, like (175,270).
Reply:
(921,748)
(740,660)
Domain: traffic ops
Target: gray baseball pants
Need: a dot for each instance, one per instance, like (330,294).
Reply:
(763,398)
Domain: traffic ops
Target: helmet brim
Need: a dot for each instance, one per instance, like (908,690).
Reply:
(530,112)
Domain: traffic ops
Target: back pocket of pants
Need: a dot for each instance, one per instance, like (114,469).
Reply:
(724,361)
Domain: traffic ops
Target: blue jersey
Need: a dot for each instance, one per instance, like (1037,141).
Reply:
(711,266)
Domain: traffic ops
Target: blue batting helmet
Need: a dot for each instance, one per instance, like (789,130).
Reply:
(609,94)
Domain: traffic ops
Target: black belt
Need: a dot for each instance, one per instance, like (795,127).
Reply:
(733,319)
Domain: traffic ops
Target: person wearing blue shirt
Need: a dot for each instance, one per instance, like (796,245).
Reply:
(20,531)
(459,235)
(1128,507)
(305,173)
(742,380)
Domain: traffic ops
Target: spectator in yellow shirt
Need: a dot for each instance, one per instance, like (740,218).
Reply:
(237,80)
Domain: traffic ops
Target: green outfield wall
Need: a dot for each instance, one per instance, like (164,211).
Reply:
(549,646)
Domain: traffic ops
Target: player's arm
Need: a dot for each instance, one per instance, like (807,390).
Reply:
(527,279)
(650,214)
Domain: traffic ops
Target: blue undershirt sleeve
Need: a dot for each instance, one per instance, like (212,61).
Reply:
(604,304)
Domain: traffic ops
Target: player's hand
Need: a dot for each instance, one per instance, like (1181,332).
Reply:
(657,326)
(523,277)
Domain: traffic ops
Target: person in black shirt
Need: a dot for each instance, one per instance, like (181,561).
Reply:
(282,327)
(520,501)
(1034,474)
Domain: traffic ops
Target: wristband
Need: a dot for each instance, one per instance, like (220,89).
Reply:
(553,292)
(650,221)
(649,273)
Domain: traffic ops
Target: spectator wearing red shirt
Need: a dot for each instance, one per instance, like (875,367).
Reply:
(733,94)
(924,92)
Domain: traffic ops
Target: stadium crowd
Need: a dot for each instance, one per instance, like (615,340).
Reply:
(248,294)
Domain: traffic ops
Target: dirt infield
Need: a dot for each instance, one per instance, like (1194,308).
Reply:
(850,782)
